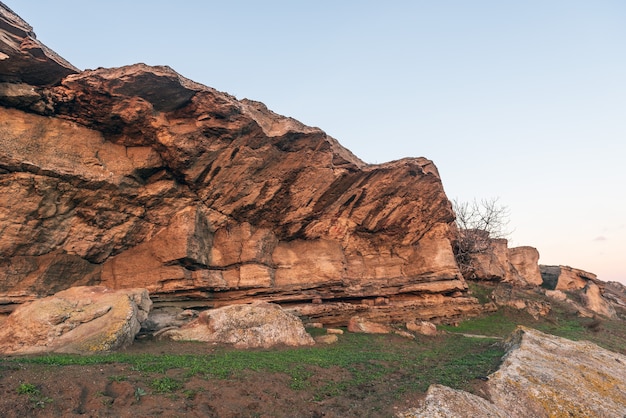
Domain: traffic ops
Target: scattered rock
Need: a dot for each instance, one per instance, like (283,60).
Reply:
(244,326)
(77,320)
(326,339)
(404,334)
(422,327)
(358,324)
(334,331)
(167,317)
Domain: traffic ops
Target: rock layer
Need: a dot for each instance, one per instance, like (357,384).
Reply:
(138,177)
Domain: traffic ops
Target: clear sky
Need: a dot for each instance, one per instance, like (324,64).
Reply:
(520,100)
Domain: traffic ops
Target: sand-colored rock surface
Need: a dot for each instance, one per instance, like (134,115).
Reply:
(87,319)
(244,326)
(541,376)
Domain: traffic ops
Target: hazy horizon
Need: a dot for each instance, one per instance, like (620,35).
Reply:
(523,102)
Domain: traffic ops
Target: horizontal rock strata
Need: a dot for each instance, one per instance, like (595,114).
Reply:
(138,177)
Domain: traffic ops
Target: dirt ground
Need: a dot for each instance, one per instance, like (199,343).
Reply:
(116,390)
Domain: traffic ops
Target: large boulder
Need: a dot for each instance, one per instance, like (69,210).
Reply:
(77,320)
(244,326)
(137,177)
(541,376)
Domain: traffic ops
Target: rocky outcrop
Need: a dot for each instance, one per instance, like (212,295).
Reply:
(138,177)
(566,278)
(498,262)
(78,320)
(541,376)
(586,285)
(244,326)
(23,59)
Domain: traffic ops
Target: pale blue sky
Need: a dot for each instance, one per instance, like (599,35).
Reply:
(525,101)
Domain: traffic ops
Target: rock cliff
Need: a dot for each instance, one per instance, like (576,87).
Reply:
(137,177)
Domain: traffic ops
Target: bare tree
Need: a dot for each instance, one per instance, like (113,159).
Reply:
(477,223)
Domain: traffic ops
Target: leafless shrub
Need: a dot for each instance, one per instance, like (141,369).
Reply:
(477,223)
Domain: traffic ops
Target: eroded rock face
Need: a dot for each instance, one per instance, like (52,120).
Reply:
(518,265)
(541,376)
(244,326)
(590,289)
(566,278)
(86,319)
(138,177)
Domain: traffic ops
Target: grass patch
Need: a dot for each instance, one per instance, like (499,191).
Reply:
(166,385)
(396,364)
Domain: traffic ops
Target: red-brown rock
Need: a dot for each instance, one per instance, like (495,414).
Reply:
(138,177)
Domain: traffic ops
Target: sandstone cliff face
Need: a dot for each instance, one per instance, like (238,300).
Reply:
(138,177)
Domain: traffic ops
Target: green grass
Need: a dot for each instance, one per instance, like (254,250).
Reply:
(364,359)
(27,389)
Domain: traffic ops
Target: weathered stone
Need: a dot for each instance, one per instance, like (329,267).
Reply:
(76,320)
(444,402)
(541,376)
(518,265)
(566,278)
(593,300)
(326,339)
(525,261)
(422,327)
(556,295)
(334,331)
(244,326)
(361,325)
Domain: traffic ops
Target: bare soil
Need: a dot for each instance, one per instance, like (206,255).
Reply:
(116,390)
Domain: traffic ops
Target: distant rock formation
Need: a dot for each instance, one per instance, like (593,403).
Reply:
(499,263)
(137,177)
(541,376)
(591,290)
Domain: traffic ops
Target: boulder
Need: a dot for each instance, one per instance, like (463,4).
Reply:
(541,376)
(422,327)
(326,339)
(86,319)
(244,326)
(593,300)
(358,324)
